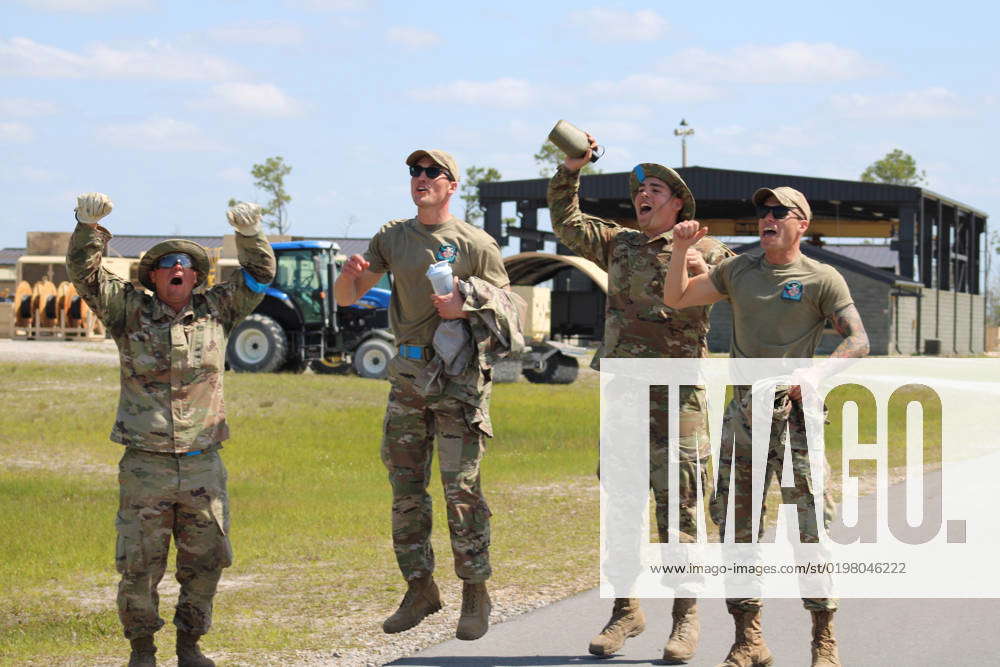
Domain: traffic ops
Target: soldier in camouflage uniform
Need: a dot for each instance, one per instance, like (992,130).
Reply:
(457,413)
(781,301)
(638,325)
(171,417)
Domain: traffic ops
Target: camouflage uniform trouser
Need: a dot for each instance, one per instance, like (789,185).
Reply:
(163,495)
(694,450)
(412,421)
(738,425)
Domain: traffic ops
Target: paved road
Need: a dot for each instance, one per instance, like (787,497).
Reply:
(875,632)
(871,632)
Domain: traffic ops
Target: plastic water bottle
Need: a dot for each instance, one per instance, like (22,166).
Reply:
(439,273)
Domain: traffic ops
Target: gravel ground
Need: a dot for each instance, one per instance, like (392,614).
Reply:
(61,351)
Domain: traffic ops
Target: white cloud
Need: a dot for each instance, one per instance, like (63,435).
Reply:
(506,92)
(928,103)
(15,133)
(264,99)
(263,33)
(414,38)
(652,87)
(24,108)
(626,110)
(619,25)
(157,134)
(794,62)
(20,56)
(87,6)
(619,132)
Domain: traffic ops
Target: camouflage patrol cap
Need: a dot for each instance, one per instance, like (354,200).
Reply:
(440,158)
(786,196)
(673,180)
(148,262)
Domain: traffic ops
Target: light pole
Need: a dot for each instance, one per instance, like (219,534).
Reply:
(684,132)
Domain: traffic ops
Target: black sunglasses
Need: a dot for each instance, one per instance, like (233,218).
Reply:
(169,260)
(432,172)
(778,212)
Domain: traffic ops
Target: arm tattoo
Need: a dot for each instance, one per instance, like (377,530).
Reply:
(847,322)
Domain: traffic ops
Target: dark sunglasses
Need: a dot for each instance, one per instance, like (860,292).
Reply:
(778,212)
(169,260)
(432,171)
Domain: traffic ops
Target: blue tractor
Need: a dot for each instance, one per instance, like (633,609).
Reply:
(298,325)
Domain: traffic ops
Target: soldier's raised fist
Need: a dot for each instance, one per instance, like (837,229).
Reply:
(245,218)
(688,233)
(92,206)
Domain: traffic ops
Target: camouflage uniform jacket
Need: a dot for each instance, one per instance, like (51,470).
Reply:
(171,364)
(493,330)
(637,323)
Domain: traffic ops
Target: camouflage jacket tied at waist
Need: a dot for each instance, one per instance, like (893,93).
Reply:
(637,323)
(467,349)
(171,363)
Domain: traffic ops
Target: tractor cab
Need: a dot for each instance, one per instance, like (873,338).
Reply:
(298,324)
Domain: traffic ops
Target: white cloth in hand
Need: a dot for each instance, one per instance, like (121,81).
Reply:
(92,206)
(245,218)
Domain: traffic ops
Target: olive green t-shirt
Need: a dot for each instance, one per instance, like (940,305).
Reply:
(779,310)
(408,247)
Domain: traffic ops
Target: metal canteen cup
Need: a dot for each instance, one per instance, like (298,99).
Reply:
(572,141)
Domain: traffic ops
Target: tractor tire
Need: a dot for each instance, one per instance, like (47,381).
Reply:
(324,367)
(257,345)
(371,358)
(558,369)
(507,370)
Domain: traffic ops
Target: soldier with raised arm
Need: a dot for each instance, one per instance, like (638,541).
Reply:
(171,416)
(638,325)
(781,301)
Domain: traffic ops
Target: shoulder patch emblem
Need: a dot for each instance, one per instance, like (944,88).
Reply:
(792,291)
(447,252)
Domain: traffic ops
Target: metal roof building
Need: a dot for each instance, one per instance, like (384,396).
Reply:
(922,292)
(938,239)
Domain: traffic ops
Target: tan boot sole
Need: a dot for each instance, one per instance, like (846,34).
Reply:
(601,653)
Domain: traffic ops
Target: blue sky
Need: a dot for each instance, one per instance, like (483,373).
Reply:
(166,105)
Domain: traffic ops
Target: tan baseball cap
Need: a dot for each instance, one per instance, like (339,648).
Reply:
(785,195)
(440,158)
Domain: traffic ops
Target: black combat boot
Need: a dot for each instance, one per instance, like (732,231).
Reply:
(143,652)
(188,653)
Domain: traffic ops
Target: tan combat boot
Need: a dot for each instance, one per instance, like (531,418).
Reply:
(824,646)
(627,620)
(749,649)
(476,606)
(143,652)
(188,653)
(685,632)
(420,601)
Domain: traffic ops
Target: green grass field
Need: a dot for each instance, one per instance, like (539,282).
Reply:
(310,505)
